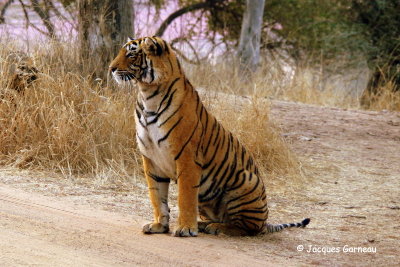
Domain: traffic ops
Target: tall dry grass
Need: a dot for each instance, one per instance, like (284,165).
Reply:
(385,98)
(305,85)
(70,123)
(66,122)
(272,81)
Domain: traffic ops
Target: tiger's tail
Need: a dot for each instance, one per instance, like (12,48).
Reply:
(272,228)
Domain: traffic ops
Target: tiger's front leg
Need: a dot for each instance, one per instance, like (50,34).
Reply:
(188,185)
(158,191)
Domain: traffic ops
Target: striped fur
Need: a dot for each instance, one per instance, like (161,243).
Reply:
(180,140)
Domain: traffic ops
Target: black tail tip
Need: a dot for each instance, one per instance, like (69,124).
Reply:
(305,222)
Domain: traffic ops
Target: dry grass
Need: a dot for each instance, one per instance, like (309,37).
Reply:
(272,81)
(68,123)
(387,98)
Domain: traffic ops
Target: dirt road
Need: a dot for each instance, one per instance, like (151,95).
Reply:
(353,199)
(43,230)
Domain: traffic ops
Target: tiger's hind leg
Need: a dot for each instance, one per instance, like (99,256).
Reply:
(224,228)
(158,191)
(246,207)
(202,225)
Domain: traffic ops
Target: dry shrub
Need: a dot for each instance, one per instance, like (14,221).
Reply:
(305,88)
(385,97)
(271,81)
(68,123)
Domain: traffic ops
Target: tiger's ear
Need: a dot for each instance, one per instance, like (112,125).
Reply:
(130,39)
(152,46)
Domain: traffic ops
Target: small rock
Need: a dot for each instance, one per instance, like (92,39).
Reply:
(305,138)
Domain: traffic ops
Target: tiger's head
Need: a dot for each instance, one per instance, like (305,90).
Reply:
(147,60)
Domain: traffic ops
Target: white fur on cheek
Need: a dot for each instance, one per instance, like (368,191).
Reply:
(117,78)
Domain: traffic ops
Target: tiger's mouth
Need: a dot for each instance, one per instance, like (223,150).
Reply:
(122,76)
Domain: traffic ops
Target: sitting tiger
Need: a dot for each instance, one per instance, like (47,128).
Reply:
(180,140)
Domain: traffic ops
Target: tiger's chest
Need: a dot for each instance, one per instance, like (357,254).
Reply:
(152,145)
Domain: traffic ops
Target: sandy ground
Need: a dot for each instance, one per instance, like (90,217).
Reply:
(352,195)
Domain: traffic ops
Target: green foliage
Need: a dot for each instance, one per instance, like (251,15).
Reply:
(380,20)
(316,26)
(311,26)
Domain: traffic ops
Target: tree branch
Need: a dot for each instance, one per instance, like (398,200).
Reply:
(3,10)
(202,5)
(44,15)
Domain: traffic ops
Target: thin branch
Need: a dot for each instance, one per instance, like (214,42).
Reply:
(202,5)
(59,14)
(44,15)
(25,13)
(185,58)
(183,39)
(3,10)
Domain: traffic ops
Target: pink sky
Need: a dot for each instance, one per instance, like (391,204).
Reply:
(147,21)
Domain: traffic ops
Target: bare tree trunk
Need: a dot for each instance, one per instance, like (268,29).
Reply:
(249,43)
(104,26)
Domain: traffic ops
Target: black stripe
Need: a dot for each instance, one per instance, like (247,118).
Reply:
(218,130)
(156,92)
(205,166)
(252,218)
(138,114)
(208,191)
(159,49)
(248,193)
(238,175)
(243,154)
(179,65)
(167,94)
(216,194)
(139,105)
(170,64)
(244,203)
(198,163)
(169,131)
(141,141)
(217,181)
(170,116)
(239,213)
(187,142)
(204,178)
(211,136)
(246,224)
(164,109)
(226,176)
(204,131)
(159,179)
(165,47)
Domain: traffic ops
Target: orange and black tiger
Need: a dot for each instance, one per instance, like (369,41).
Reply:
(180,140)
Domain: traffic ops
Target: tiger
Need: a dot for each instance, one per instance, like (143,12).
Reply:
(180,140)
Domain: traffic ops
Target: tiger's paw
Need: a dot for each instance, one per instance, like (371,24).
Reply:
(213,228)
(155,228)
(184,231)
(223,228)
(203,225)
